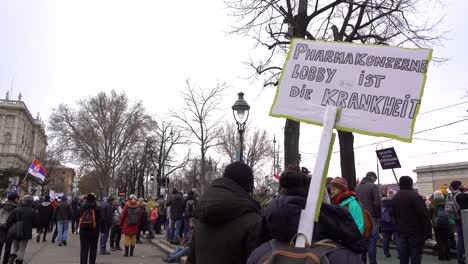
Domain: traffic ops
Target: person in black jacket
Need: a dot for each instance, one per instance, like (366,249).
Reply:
(75,205)
(107,214)
(177,205)
(46,213)
(229,219)
(89,232)
(412,219)
(8,207)
(190,206)
(63,215)
(28,216)
(388,225)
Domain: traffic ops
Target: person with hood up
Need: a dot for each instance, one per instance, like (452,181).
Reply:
(63,216)
(129,224)
(7,208)
(342,196)
(28,216)
(229,219)
(388,225)
(369,195)
(281,222)
(75,205)
(412,220)
(46,213)
(440,223)
(177,205)
(106,223)
(89,229)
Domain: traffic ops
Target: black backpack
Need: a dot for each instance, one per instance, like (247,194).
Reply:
(282,253)
(133,215)
(189,208)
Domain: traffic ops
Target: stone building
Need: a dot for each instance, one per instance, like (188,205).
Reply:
(431,178)
(60,179)
(22,137)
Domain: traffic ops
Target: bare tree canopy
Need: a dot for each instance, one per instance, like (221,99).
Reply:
(197,117)
(100,132)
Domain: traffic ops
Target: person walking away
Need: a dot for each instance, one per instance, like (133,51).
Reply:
(343,197)
(54,219)
(162,214)
(89,229)
(20,224)
(63,216)
(452,207)
(150,202)
(46,213)
(281,221)
(190,205)
(369,195)
(452,229)
(7,208)
(412,220)
(106,223)
(229,219)
(153,218)
(75,205)
(129,223)
(143,221)
(388,225)
(115,232)
(184,248)
(177,205)
(440,223)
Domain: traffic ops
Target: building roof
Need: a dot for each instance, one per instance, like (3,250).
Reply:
(442,167)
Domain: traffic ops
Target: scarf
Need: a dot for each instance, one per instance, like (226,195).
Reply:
(342,196)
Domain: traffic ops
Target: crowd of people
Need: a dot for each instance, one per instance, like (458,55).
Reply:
(228,224)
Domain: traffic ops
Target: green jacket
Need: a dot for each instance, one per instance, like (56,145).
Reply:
(149,206)
(434,209)
(355,210)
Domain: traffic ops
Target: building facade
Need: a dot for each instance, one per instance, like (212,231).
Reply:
(22,137)
(60,179)
(431,178)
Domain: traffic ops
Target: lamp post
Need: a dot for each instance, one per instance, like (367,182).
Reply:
(274,155)
(240,110)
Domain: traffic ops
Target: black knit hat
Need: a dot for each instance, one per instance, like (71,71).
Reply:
(13,196)
(406,182)
(240,173)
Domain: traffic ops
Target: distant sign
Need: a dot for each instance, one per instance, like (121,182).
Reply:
(379,88)
(122,194)
(388,158)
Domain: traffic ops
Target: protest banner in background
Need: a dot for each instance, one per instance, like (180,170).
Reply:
(378,88)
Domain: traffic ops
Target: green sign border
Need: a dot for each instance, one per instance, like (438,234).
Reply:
(409,140)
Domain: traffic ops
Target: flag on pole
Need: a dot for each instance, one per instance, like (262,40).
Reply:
(37,170)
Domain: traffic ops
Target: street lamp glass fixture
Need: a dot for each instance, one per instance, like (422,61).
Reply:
(240,109)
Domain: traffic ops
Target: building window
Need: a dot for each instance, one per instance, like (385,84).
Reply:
(10,121)
(7,138)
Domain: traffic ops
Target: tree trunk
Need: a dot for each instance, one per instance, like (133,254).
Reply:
(348,168)
(291,143)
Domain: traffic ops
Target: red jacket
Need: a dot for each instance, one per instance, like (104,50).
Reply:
(126,229)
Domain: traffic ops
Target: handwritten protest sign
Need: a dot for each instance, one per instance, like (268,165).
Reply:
(379,88)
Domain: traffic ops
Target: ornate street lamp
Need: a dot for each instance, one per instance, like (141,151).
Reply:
(240,110)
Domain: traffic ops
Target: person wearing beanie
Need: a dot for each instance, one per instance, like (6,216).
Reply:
(229,219)
(46,213)
(412,220)
(107,211)
(7,208)
(28,216)
(388,225)
(177,204)
(440,223)
(89,230)
(444,190)
(368,194)
(343,197)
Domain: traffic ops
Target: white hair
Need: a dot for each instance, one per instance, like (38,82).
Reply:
(133,197)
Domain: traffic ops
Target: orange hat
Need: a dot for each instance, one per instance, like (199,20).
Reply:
(444,190)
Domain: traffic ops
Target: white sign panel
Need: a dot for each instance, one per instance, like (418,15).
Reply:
(379,88)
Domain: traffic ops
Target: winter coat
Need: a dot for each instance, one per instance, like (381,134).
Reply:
(75,205)
(390,226)
(129,229)
(411,215)
(161,207)
(63,212)
(228,227)
(434,210)
(177,205)
(8,206)
(107,213)
(89,204)
(281,220)
(46,212)
(369,195)
(195,202)
(117,214)
(149,206)
(28,215)
(355,210)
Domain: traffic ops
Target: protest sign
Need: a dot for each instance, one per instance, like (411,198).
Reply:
(378,88)
(388,158)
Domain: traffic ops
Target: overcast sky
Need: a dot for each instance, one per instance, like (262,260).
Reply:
(61,51)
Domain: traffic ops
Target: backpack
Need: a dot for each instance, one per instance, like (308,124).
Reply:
(154,215)
(283,253)
(3,218)
(453,208)
(442,217)
(88,220)
(368,224)
(133,214)
(386,217)
(189,208)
